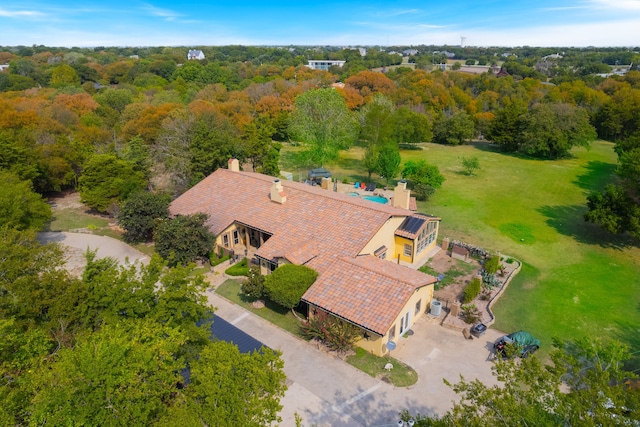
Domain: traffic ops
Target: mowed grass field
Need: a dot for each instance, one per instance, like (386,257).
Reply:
(576,280)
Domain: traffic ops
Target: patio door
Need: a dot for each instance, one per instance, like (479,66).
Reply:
(404,322)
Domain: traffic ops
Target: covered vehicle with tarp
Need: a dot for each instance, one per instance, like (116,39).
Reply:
(316,175)
(519,343)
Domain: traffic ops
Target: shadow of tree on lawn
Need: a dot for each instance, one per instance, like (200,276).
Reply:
(598,174)
(569,221)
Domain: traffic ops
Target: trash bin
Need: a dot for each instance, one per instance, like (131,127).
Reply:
(478,330)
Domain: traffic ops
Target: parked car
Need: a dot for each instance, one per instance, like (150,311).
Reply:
(519,343)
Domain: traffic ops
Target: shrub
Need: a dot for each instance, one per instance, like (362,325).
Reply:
(509,260)
(238,269)
(472,290)
(492,265)
(490,279)
(335,333)
(254,285)
(286,285)
(183,239)
(470,313)
(214,259)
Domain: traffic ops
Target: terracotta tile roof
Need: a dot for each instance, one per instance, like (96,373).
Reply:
(366,290)
(320,228)
(340,224)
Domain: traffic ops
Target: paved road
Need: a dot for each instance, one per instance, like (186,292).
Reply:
(324,390)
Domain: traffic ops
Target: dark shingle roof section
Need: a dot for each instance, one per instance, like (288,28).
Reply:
(366,290)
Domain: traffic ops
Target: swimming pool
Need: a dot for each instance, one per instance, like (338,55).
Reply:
(377,199)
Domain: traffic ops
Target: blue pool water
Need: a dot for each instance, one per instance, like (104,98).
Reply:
(377,199)
(354,194)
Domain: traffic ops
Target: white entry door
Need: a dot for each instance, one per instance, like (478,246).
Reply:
(404,322)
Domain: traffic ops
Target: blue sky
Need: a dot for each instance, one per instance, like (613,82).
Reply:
(200,22)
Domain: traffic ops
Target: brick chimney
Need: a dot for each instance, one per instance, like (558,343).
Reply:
(277,192)
(234,165)
(401,196)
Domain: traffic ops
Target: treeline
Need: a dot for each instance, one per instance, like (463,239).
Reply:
(75,118)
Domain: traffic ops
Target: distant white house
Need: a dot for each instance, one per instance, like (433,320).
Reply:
(195,54)
(410,52)
(324,64)
(4,67)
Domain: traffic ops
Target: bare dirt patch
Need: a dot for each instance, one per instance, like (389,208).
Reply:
(66,201)
(443,263)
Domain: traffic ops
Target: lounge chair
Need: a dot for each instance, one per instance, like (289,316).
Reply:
(363,185)
(357,185)
(371,187)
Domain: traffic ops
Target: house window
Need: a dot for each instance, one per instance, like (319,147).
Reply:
(392,333)
(236,237)
(407,249)
(225,240)
(381,252)
(418,304)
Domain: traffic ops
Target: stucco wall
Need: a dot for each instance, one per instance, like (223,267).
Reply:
(384,237)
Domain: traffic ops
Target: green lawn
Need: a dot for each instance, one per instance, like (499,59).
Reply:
(400,376)
(73,219)
(272,312)
(577,280)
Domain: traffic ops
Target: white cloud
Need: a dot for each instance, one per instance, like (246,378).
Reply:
(19,13)
(167,14)
(615,4)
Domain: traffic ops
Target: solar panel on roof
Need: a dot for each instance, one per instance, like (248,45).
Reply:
(412,224)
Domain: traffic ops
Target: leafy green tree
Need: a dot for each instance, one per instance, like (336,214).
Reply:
(376,128)
(615,211)
(214,141)
(583,386)
(323,123)
(20,206)
(121,375)
(32,276)
(116,99)
(64,75)
(470,165)
(228,388)
(411,127)
(424,178)
(388,162)
(551,130)
(453,130)
(139,213)
(507,127)
(254,285)
(106,180)
(287,284)
(183,239)
(261,150)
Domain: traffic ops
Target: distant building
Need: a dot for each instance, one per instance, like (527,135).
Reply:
(324,64)
(363,51)
(4,67)
(195,54)
(410,52)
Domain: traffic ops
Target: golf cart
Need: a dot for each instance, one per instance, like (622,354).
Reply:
(519,343)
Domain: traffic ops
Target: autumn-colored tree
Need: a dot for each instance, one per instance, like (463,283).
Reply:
(370,82)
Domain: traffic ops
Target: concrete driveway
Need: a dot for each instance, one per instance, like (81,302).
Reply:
(326,391)
(77,244)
